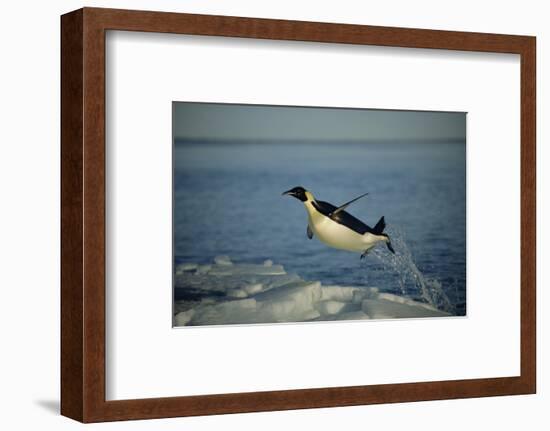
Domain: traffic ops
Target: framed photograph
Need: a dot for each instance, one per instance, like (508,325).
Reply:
(241,254)
(266,215)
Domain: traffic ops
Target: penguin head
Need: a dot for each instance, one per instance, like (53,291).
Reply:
(299,193)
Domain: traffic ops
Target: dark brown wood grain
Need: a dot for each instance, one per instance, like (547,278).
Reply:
(83,214)
(72,305)
(528,216)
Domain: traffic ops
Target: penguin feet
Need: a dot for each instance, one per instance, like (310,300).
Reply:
(364,254)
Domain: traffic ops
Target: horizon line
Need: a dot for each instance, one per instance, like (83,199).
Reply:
(187,140)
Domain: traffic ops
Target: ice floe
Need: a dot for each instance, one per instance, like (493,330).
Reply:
(225,292)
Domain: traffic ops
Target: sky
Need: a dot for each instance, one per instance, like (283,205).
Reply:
(249,122)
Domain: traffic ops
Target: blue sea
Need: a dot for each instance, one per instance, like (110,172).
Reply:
(227,201)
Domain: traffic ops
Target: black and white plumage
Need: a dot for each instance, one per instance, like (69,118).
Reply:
(337,228)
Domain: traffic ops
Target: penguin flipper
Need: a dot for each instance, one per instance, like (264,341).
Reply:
(343,207)
(309,232)
(380,226)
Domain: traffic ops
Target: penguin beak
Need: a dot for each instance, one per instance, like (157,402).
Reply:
(288,192)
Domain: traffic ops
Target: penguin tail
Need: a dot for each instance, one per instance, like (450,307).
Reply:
(380,226)
(379,230)
(388,244)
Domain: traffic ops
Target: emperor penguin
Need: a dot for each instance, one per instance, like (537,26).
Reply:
(337,228)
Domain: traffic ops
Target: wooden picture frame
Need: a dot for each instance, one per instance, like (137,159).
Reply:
(83,214)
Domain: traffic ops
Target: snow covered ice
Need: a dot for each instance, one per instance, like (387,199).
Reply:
(225,292)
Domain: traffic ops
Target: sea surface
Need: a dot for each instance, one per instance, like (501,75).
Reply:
(227,201)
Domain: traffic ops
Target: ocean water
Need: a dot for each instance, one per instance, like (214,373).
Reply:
(227,201)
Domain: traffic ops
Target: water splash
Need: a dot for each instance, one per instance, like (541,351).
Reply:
(410,279)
